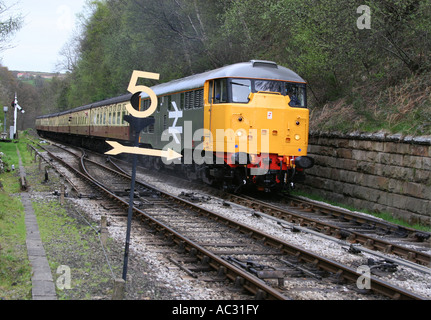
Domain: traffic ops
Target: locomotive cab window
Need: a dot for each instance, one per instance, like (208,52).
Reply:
(296,91)
(241,89)
(269,86)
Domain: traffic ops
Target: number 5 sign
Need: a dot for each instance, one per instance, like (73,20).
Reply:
(135,89)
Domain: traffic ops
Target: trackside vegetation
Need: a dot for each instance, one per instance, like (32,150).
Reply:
(367,62)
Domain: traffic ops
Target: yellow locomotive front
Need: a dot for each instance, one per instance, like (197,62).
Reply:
(258,127)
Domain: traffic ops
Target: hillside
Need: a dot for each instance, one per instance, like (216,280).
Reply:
(376,106)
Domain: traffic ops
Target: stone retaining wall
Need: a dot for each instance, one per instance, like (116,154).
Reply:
(378,172)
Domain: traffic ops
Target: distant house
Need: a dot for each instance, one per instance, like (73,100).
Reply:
(23,75)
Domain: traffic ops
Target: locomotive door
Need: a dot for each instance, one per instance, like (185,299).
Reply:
(215,109)
(208,114)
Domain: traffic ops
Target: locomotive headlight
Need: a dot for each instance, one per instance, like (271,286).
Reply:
(240,133)
(297,137)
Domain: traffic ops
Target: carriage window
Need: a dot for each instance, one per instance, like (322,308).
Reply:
(241,89)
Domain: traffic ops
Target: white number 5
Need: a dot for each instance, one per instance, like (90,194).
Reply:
(134,88)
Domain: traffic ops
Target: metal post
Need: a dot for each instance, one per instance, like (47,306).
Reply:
(138,124)
(130,215)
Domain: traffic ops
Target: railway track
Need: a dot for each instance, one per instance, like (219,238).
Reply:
(260,263)
(373,234)
(363,232)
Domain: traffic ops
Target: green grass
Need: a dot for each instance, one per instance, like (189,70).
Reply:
(71,242)
(15,270)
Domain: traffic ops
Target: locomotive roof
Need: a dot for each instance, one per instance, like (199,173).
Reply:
(254,69)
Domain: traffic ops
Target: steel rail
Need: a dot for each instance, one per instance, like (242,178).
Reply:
(74,187)
(356,218)
(332,230)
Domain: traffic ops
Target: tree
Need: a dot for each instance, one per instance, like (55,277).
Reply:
(8,25)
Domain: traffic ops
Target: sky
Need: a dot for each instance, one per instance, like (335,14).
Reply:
(48,26)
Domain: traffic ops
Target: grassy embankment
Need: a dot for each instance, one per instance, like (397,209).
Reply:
(15,270)
(381,104)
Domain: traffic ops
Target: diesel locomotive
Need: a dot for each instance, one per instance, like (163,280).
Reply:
(240,126)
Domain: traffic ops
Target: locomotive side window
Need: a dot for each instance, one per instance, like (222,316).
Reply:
(297,94)
(210,92)
(241,89)
(220,91)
